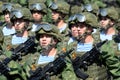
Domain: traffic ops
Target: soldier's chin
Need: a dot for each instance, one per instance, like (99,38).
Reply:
(54,20)
(43,46)
(37,20)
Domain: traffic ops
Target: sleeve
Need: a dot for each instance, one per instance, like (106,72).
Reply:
(112,62)
(16,70)
(20,69)
(68,73)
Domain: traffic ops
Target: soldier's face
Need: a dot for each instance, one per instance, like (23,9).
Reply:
(81,29)
(19,24)
(55,15)
(104,21)
(74,30)
(37,16)
(7,18)
(45,40)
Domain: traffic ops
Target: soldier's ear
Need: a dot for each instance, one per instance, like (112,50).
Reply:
(111,22)
(54,40)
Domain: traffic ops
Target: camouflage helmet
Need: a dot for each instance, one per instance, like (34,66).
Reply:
(91,19)
(38,7)
(99,3)
(86,17)
(60,6)
(7,7)
(75,9)
(1,7)
(110,12)
(45,28)
(16,5)
(90,8)
(36,1)
(21,13)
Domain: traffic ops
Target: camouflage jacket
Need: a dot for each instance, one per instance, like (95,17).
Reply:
(29,62)
(112,62)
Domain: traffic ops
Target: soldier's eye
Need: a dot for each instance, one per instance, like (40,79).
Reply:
(103,18)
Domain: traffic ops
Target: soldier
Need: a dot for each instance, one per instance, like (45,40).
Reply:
(108,18)
(20,18)
(6,10)
(92,8)
(38,11)
(48,40)
(111,60)
(59,13)
(1,52)
(73,32)
(85,41)
(47,50)
(85,25)
(7,27)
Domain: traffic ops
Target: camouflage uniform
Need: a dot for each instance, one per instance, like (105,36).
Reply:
(7,28)
(63,12)
(112,14)
(94,71)
(37,8)
(111,61)
(116,37)
(17,72)
(25,14)
(2,56)
(33,59)
(6,9)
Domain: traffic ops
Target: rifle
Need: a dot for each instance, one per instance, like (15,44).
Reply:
(117,38)
(51,68)
(16,54)
(87,59)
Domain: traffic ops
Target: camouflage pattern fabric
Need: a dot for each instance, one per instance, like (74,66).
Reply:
(1,37)
(112,62)
(68,71)
(94,71)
